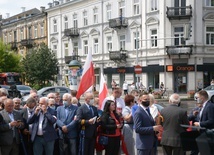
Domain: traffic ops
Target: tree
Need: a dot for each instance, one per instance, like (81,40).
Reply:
(9,60)
(40,66)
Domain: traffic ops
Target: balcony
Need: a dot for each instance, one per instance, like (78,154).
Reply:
(72,32)
(27,43)
(118,23)
(70,58)
(13,45)
(174,13)
(179,50)
(118,56)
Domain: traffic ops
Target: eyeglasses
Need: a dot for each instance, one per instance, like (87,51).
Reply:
(51,97)
(17,103)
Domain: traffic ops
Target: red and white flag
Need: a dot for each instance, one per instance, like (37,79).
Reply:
(103,90)
(88,78)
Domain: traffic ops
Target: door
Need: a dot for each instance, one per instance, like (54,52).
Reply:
(180,82)
(180,7)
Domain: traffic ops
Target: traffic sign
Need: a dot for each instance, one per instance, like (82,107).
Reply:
(138,69)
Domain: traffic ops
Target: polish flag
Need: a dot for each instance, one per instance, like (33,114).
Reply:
(103,90)
(88,78)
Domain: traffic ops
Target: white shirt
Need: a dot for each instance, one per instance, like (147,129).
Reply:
(153,111)
(119,101)
(41,118)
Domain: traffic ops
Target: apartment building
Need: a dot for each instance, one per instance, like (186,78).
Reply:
(26,30)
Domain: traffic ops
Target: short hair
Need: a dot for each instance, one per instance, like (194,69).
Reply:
(67,95)
(30,100)
(4,91)
(203,93)
(151,98)
(174,99)
(74,93)
(134,91)
(17,99)
(128,99)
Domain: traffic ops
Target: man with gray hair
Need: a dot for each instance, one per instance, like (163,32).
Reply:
(3,92)
(173,117)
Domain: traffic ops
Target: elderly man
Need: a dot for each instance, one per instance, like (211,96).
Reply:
(43,133)
(3,92)
(12,122)
(173,117)
(86,115)
(17,104)
(67,126)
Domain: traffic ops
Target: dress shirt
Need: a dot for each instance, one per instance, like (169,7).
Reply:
(41,118)
(30,125)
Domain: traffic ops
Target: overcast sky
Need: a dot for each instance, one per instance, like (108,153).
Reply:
(13,7)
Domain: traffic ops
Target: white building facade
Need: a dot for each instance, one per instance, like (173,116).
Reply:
(124,33)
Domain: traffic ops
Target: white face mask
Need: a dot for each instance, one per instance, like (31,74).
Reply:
(91,102)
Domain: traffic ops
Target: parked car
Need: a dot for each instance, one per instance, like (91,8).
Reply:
(209,90)
(5,86)
(46,90)
(24,90)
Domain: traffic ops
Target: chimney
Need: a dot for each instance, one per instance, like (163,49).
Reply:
(7,15)
(50,5)
(42,9)
(56,3)
(23,9)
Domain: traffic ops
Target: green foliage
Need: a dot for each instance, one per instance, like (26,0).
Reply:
(9,60)
(40,66)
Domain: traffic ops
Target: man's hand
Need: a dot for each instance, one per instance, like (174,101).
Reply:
(196,124)
(13,124)
(195,113)
(38,108)
(26,132)
(91,121)
(119,126)
(156,127)
(65,129)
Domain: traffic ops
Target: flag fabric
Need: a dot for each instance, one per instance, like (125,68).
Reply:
(103,90)
(88,78)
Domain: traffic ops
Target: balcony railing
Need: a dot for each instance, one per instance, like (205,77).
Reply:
(179,50)
(70,58)
(118,23)
(118,56)
(14,45)
(179,12)
(72,32)
(27,43)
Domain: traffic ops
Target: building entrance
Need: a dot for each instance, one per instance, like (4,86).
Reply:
(180,82)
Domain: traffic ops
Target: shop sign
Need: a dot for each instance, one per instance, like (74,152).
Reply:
(121,70)
(180,68)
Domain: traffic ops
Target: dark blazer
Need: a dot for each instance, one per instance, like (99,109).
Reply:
(173,117)
(68,121)
(145,135)
(108,124)
(6,132)
(83,116)
(207,116)
(49,132)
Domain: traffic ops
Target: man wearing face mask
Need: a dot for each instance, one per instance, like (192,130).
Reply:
(67,124)
(145,128)
(26,113)
(86,115)
(173,117)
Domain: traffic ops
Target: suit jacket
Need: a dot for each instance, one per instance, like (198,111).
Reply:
(49,132)
(173,117)
(145,135)
(69,121)
(207,116)
(83,116)
(6,132)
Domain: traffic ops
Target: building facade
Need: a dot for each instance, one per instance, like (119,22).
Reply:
(25,30)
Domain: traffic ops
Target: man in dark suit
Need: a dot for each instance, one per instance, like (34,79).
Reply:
(11,123)
(145,128)
(86,115)
(173,117)
(67,126)
(26,113)
(43,133)
(205,141)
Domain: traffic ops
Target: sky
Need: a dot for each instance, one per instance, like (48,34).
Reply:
(14,6)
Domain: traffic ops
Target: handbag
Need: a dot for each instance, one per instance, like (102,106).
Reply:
(103,140)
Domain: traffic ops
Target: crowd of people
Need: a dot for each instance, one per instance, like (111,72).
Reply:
(63,126)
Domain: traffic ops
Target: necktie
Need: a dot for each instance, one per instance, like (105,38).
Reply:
(147,109)
(91,110)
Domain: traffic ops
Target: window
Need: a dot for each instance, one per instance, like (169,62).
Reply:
(178,33)
(85,44)
(66,49)
(85,18)
(154,38)
(108,12)
(109,43)
(54,25)
(15,35)
(153,5)
(122,8)
(55,49)
(95,15)
(66,22)
(210,35)
(96,46)
(75,48)
(35,31)
(136,40)
(136,7)
(21,34)
(75,22)
(122,42)
(42,30)
(209,2)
